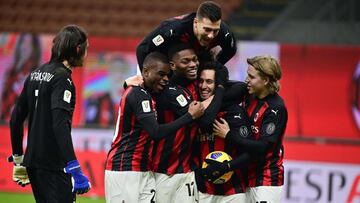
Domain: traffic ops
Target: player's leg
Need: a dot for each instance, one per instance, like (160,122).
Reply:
(147,188)
(165,187)
(51,186)
(122,186)
(187,190)
(264,194)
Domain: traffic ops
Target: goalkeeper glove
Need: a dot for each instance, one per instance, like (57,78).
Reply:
(80,182)
(20,175)
(215,169)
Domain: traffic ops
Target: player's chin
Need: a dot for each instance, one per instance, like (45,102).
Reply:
(205,43)
(159,88)
(192,75)
(204,95)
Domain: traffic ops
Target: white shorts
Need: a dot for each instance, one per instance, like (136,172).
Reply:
(177,188)
(129,186)
(236,198)
(264,194)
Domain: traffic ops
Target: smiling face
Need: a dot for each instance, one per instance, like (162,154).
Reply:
(256,84)
(207,83)
(205,30)
(185,63)
(156,78)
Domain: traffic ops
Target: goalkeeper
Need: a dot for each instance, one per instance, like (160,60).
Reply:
(47,100)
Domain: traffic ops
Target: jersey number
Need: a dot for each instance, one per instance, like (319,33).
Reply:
(190,187)
(153,197)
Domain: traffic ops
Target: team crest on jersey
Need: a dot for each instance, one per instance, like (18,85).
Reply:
(270,128)
(67,96)
(158,40)
(181,100)
(146,106)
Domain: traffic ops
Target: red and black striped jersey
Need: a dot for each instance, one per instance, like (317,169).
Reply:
(172,154)
(269,116)
(131,148)
(208,142)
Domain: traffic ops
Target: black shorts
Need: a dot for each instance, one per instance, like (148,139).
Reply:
(51,186)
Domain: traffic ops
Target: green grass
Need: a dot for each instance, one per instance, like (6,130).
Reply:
(6,197)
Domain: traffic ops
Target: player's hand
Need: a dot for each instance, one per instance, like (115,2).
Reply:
(221,128)
(215,169)
(196,109)
(80,182)
(135,80)
(20,175)
(221,74)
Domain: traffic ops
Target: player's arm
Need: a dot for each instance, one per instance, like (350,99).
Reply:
(235,93)
(146,116)
(157,40)
(227,43)
(62,97)
(216,169)
(18,117)
(272,128)
(61,109)
(206,121)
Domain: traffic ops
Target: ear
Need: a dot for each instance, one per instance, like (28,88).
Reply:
(266,80)
(172,66)
(196,22)
(145,71)
(78,49)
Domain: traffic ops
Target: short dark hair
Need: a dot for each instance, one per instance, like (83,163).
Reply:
(210,10)
(65,45)
(176,47)
(153,58)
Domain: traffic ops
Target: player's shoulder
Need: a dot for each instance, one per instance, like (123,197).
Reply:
(276,105)
(136,92)
(180,21)
(175,26)
(275,100)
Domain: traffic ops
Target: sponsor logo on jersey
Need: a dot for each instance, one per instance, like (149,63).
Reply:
(181,100)
(67,96)
(158,40)
(146,106)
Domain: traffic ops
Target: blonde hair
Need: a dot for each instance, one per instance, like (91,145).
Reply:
(267,67)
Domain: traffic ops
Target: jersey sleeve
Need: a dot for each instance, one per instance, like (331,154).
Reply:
(227,41)
(274,124)
(141,103)
(157,40)
(18,117)
(177,100)
(63,92)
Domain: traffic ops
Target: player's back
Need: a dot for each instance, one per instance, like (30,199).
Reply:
(47,88)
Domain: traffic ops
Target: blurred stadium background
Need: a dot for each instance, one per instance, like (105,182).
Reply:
(317,43)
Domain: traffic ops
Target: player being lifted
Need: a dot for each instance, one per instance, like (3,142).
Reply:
(202,30)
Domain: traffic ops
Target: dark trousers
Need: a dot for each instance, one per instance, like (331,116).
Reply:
(51,186)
